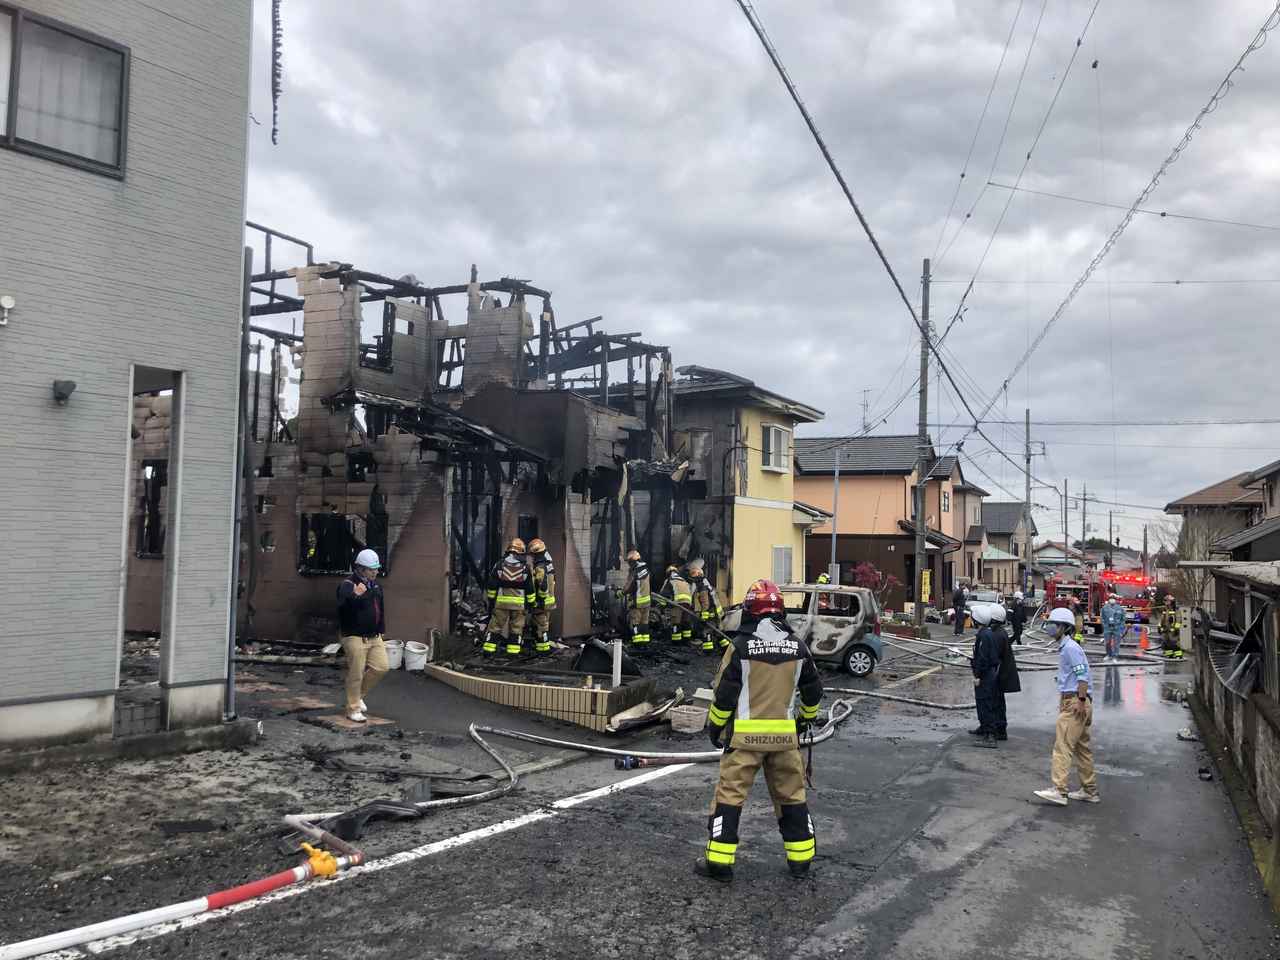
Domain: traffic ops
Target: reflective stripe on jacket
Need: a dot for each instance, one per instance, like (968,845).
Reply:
(542,592)
(509,582)
(705,601)
(757,687)
(678,589)
(637,588)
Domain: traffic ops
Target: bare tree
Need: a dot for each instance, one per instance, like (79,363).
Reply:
(1190,538)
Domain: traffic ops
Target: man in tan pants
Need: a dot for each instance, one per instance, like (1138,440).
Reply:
(361,623)
(1075,717)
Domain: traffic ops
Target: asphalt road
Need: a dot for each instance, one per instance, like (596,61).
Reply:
(927,847)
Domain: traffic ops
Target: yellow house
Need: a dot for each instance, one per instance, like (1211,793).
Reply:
(738,438)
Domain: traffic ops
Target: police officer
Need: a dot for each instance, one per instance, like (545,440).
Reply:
(679,593)
(766,666)
(957,603)
(637,594)
(1007,679)
(1017,617)
(508,585)
(707,609)
(986,672)
(541,597)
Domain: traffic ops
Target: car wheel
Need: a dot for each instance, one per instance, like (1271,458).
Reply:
(859,660)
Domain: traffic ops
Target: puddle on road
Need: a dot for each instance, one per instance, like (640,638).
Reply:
(1109,771)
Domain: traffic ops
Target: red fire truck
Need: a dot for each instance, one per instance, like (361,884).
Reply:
(1092,590)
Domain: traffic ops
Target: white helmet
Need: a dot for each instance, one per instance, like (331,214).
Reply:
(368,559)
(998,613)
(1063,616)
(1017,594)
(981,613)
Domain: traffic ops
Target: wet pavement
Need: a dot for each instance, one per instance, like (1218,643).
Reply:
(927,847)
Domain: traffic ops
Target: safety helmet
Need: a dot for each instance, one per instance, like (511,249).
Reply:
(998,613)
(762,599)
(537,546)
(517,546)
(633,554)
(981,613)
(1017,594)
(824,578)
(695,568)
(368,559)
(672,569)
(1063,616)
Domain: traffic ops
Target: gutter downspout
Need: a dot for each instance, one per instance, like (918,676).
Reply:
(242,437)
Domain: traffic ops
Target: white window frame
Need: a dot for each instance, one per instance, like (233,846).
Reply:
(946,501)
(11,141)
(774,557)
(769,451)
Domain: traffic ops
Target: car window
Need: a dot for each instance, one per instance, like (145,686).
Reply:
(795,601)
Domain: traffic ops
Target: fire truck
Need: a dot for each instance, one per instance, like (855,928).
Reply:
(1092,590)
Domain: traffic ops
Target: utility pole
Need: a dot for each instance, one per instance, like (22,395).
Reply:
(1065,535)
(866,405)
(922,455)
(1144,550)
(1026,513)
(1084,513)
(835,520)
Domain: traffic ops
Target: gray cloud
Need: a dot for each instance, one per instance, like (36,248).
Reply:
(643,162)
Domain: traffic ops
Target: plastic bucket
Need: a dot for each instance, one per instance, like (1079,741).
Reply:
(395,653)
(416,655)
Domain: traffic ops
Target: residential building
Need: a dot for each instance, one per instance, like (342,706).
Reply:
(1260,541)
(1209,517)
(1006,525)
(122,172)
(876,515)
(738,438)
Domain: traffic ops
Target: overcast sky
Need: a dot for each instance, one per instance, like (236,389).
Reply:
(643,162)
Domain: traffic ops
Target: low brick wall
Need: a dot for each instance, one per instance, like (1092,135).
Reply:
(586,707)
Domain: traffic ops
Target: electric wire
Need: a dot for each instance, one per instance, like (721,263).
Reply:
(1175,422)
(1259,39)
(978,129)
(1162,214)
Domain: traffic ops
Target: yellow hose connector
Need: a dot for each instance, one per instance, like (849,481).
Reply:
(321,862)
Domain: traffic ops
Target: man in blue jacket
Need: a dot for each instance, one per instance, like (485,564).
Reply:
(1112,626)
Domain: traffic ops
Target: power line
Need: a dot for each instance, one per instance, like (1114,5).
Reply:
(995,157)
(978,129)
(1273,19)
(1063,283)
(1177,422)
(1162,214)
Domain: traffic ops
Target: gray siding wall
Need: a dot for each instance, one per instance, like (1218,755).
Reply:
(107,274)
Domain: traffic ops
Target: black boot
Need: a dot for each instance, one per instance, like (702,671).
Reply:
(713,871)
(988,740)
(798,871)
(978,731)
(1002,735)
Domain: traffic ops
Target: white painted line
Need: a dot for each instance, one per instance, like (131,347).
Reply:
(108,944)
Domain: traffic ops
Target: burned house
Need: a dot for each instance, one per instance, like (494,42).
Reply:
(468,418)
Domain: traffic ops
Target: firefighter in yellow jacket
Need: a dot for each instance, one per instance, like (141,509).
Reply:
(541,597)
(706,609)
(508,584)
(677,590)
(759,678)
(637,594)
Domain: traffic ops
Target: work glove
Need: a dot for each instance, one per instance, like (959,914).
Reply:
(802,727)
(716,735)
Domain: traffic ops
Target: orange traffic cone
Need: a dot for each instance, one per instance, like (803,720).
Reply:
(1143,644)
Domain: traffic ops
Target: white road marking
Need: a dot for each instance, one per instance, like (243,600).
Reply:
(108,944)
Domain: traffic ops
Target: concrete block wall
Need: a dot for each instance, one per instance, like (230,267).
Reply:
(495,341)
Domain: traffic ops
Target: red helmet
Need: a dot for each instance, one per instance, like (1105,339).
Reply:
(762,599)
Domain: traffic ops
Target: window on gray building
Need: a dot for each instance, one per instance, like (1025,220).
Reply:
(63,92)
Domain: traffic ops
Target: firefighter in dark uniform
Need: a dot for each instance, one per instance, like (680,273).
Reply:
(677,591)
(1168,613)
(761,673)
(508,586)
(637,594)
(541,597)
(707,609)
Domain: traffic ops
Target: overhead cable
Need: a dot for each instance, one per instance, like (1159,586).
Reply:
(1272,20)
(1162,214)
